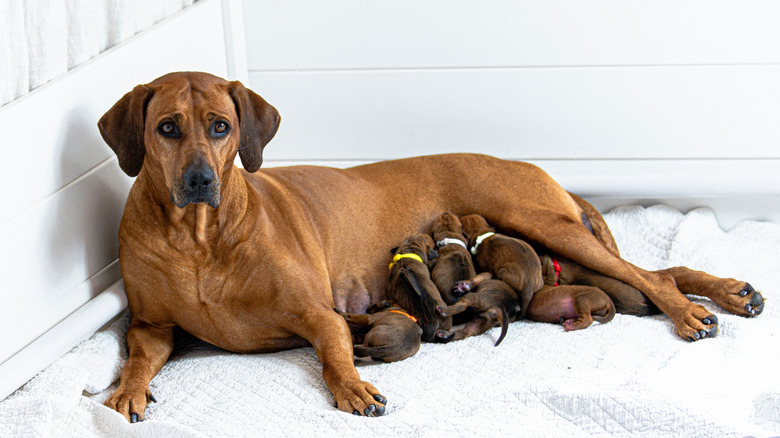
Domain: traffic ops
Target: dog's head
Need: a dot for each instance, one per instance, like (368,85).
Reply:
(474,225)
(447,225)
(185,129)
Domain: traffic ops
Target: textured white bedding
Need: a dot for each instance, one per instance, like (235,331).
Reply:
(630,377)
(42,39)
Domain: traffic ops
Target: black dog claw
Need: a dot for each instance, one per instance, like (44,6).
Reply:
(380,411)
(134,418)
(355,412)
(152,399)
(380,399)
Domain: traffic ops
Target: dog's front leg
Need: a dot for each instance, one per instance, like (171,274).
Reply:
(328,332)
(149,348)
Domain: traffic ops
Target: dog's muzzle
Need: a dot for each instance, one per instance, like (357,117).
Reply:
(198,184)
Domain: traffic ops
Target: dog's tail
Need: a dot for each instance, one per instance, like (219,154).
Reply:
(503,319)
(605,315)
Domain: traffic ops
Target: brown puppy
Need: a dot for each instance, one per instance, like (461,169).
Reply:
(494,302)
(454,263)
(573,306)
(626,299)
(255,260)
(411,287)
(392,335)
(508,259)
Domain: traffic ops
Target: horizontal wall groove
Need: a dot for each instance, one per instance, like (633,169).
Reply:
(423,69)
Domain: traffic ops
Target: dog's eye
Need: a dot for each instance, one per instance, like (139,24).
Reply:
(168,129)
(219,128)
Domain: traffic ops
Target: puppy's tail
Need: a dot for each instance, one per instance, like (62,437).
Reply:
(503,319)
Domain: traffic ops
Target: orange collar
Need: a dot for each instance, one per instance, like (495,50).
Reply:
(404,314)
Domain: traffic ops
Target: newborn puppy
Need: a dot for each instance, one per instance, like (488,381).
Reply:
(508,259)
(493,301)
(573,306)
(626,299)
(392,335)
(454,262)
(410,286)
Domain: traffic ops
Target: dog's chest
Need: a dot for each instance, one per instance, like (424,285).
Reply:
(217,304)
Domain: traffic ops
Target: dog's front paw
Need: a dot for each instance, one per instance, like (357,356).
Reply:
(360,398)
(697,323)
(130,403)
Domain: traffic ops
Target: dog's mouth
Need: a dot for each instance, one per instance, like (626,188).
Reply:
(184,195)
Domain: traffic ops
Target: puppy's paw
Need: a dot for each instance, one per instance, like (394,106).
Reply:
(130,403)
(462,288)
(360,398)
(443,336)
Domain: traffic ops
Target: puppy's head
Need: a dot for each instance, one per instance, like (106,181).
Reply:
(474,225)
(446,225)
(185,130)
(420,244)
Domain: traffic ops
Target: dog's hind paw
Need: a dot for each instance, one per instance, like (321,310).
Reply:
(739,298)
(755,301)
(698,324)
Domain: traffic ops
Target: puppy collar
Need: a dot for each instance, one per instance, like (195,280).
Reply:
(450,241)
(405,256)
(479,241)
(404,314)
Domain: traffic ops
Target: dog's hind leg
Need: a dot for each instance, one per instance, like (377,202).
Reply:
(563,233)
(737,297)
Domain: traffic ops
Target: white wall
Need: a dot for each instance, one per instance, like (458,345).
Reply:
(64,193)
(621,101)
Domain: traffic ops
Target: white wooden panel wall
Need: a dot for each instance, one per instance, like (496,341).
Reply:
(64,192)
(606,96)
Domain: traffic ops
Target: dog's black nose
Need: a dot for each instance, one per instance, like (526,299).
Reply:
(198,176)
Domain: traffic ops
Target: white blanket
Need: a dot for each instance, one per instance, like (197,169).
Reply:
(630,377)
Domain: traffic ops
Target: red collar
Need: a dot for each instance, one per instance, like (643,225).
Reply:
(557,268)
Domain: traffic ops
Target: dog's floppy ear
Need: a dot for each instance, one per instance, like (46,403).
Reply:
(122,127)
(258,122)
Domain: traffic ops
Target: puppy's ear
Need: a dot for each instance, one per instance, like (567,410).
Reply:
(122,127)
(258,122)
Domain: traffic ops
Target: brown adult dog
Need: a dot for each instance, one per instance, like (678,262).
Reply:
(256,261)
(507,258)
(573,306)
(392,335)
(493,301)
(454,263)
(411,287)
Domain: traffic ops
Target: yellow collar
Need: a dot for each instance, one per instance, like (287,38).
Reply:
(406,256)
(403,313)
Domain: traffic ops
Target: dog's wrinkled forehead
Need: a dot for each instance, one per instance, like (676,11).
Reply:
(198,94)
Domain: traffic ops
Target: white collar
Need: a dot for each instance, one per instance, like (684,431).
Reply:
(448,241)
(479,241)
